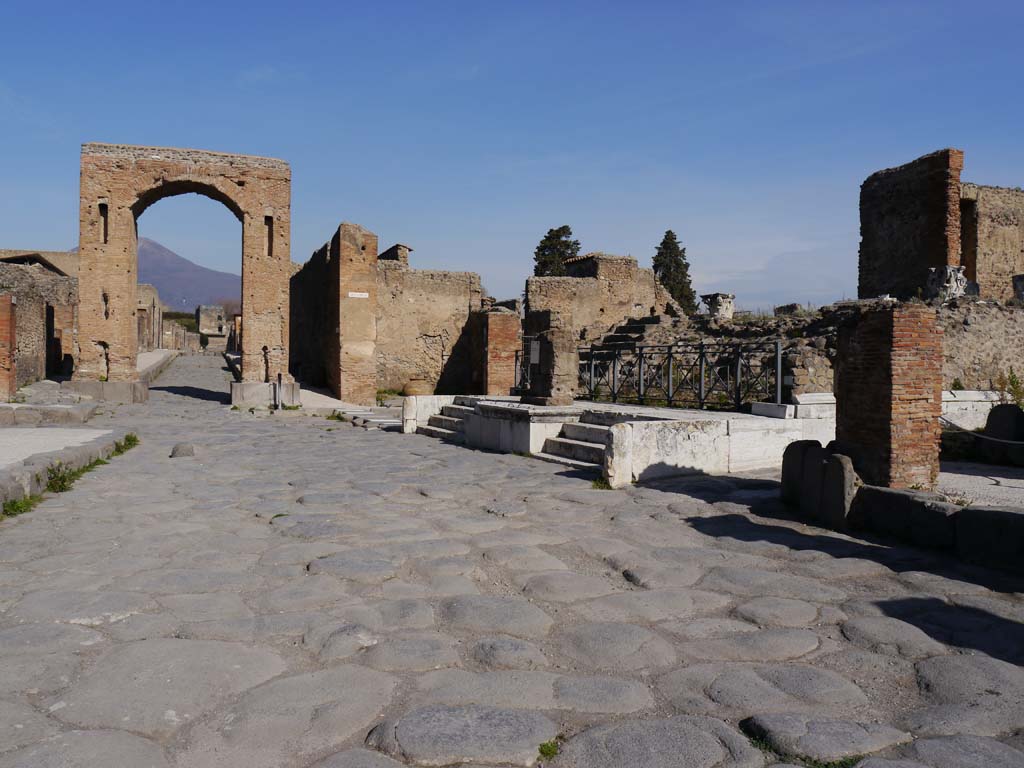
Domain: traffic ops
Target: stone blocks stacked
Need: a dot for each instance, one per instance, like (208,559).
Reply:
(554,378)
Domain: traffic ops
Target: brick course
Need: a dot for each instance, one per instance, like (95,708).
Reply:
(502,341)
(889,394)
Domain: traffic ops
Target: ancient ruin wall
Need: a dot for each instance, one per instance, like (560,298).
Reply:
(118,183)
(8,344)
(909,222)
(65,261)
(150,318)
(981,340)
(993,238)
(45,303)
(608,291)
(422,333)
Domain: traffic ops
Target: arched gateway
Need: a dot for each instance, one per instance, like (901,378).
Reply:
(118,183)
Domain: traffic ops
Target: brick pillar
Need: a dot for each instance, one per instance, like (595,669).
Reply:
(8,349)
(352,373)
(501,342)
(889,394)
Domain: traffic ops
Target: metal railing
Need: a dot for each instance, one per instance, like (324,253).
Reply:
(695,375)
(526,357)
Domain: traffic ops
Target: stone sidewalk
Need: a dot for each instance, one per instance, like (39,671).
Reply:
(303,593)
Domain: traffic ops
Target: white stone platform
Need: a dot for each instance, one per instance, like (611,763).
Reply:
(19,443)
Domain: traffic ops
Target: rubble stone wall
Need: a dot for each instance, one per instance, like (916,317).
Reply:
(993,238)
(909,222)
(45,310)
(605,291)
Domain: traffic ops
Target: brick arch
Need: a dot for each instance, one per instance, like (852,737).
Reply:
(118,183)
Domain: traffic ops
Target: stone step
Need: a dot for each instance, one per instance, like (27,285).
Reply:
(588,433)
(442,434)
(456,411)
(466,400)
(575,449)
(567,462)
(450,423)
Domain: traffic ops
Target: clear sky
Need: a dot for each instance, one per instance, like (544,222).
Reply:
(468,129)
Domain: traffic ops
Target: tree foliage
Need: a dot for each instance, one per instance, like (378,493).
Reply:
(673,271)
(551,253)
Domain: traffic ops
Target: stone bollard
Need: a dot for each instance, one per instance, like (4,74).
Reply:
(793,468)
(838,488)
(812,476)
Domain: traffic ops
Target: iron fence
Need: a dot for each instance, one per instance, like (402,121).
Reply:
(700,375)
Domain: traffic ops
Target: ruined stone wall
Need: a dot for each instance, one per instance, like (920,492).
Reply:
(422,327)
(314,319)
(982,339)
(909,222)
(45,303)
(65,261)
(993,238)
(211,320)
(889,393)
(606,291)
(150,315)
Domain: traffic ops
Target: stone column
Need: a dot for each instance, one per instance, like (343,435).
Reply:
(888,387)
(8,349)
(354,375)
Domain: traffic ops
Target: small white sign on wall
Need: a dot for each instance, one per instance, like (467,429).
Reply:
(358,295)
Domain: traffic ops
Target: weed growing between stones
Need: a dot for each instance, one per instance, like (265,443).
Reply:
(16,507)
(290,407)
(807,762)
(123,446)
(549,748)
(335,416)
(61,479)
(600,484)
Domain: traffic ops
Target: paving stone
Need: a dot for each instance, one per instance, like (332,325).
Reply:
(47,638)
(333,641)
(290,719)
(651,605)
(739,690)
(414,652)
(20,725)
(604,695)
(778,611)
(357,758)
(609,645)
(565,587)
(764,645)
(219,605)
(88,749)
(970,695)
(88,609)
(37,673)
(484,613)
(966,752)
(508,653)
(705,742)
(440,735)
(703,629)
(355,566)
(751,582)
(155,686)
(822,739)
(517,558)
(891,636)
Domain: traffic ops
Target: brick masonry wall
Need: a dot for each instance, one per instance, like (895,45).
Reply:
(8,344)
(502,340)
(889,394)
(909,222)
(37,289)
(993,249)
(118,183)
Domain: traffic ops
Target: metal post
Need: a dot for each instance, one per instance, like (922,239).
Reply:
(593,384)
(671,387)
(778,372)
(739,376)
(701,363)
(615,376)
(640,372)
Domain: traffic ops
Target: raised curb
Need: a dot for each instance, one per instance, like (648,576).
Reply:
(29,415)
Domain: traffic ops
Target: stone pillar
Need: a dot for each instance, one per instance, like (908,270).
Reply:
(554,378)
(354,378)
(8,349)
(501,341)
(888,387)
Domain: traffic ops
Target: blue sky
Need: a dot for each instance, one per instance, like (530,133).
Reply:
(468,129)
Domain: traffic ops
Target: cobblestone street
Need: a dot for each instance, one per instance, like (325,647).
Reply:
(305,593)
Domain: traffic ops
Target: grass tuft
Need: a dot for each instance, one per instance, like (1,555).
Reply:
(61,479)
(16,507)
(600,484)
(549,748)
(123,446)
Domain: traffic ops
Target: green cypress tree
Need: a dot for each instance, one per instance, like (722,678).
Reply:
(673,271)
(550,255)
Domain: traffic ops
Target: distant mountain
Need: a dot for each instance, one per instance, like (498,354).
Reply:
(181,284)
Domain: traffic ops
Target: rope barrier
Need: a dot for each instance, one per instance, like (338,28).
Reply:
(978,434)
